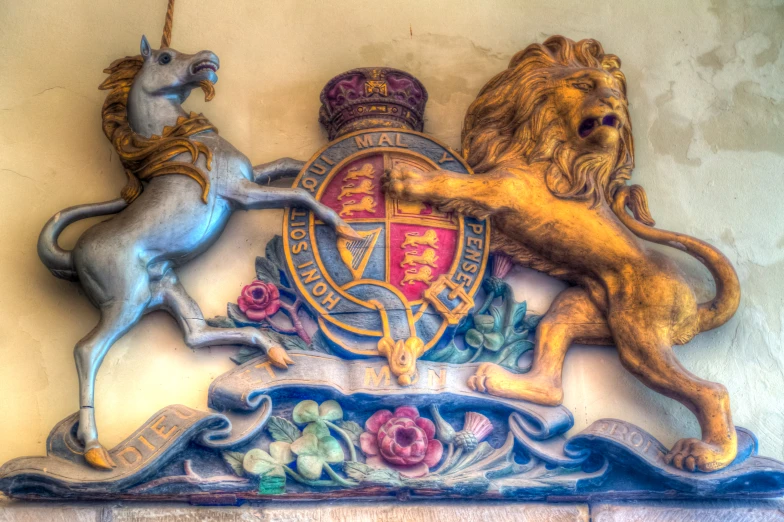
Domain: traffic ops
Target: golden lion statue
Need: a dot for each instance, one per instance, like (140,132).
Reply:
(550,141)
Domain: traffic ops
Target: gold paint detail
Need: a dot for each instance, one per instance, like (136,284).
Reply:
(267,366)
(401,355)
(418,275)
(350,189)
(366,204)
(208,88)
(374,379)
(411,207)
(365,171)
(145,158)
(130,450)
(456,291)
(429,238)
(355,253)
(436,380)
(159,427)
(376,87)
(428,257)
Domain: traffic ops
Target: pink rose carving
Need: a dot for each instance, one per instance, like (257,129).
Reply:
(402,441)
(259,300)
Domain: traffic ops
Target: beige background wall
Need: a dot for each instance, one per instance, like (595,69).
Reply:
(706,86)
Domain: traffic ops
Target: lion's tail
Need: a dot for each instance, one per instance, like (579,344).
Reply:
(56,259)
(718,310)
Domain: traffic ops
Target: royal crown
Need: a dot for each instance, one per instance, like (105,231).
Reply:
(372,97)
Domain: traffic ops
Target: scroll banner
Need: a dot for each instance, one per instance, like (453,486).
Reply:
(538,429)
(370,381)
(244,398)
(64,471)
(637,449)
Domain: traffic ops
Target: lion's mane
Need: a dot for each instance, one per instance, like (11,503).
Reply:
(514,117)
(145,158)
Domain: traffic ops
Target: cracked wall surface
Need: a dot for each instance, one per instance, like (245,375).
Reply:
(706,87)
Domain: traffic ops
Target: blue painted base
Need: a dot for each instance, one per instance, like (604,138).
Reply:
(331,428)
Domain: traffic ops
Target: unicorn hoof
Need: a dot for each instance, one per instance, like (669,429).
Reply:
(99,458)
(347,232)
(279,358)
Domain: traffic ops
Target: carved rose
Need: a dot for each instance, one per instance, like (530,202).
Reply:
(402,441)
(259,300)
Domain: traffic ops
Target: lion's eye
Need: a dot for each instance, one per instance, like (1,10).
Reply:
(164,58)
(583,86)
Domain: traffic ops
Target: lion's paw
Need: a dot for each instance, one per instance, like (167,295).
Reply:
(478,381)
(698,455)
(495,380)
(491,378)
(405,183)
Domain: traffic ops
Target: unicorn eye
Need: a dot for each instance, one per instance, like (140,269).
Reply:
(164,59)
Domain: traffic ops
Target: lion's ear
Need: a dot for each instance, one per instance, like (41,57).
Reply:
(638,204)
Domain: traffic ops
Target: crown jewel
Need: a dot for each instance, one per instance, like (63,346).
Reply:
(372,97)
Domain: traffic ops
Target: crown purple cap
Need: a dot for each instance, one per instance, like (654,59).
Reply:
(372,97)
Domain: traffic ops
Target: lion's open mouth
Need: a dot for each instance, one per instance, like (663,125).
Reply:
(589,125)
(206,64)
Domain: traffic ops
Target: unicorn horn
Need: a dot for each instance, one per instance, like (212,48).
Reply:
(167,26)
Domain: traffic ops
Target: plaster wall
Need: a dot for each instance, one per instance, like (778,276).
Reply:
(706,89)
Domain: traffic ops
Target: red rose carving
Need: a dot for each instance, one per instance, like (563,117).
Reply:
(402,441)
(259,300)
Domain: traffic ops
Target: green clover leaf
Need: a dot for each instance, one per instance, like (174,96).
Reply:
(484,336)
(281,452)
(493,341)
(305,411)
(330,411)
(311,411)
(474,338)
(316,416)
(484,323)
(318,428)
(313,453)
(259,463)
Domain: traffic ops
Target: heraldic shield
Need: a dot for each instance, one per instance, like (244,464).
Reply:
(413,272)
(404,284)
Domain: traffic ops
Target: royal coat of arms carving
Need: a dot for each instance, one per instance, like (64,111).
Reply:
(382,351)
(403,287)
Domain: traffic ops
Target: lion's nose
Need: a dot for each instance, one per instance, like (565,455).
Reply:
(611,100)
